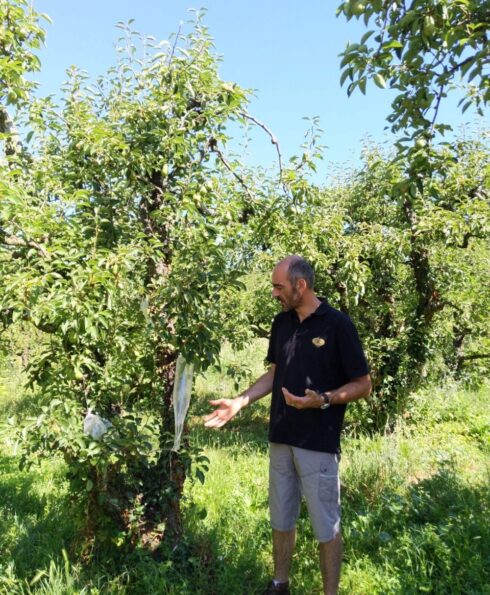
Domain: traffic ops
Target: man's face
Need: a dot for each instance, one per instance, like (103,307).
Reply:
(283,290)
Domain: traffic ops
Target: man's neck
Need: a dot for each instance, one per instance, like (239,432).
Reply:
(307,306)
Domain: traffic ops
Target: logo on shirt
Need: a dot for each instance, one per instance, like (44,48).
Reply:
(318,341)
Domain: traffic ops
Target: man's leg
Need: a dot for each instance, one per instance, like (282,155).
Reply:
(283,543)
(319,476)
(284,504)
(330,562)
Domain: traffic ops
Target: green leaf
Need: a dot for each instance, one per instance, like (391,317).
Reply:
(37,577)
(347,59)
(347,72)
(379,80)
(351,87)
(366,36)
(475,72)
(394,43)
(466,66)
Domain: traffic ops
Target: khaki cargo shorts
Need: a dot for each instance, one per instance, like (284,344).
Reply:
(294,472)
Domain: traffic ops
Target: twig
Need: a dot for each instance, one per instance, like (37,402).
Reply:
(213,147)
(436,109)
(274,141)
(383,31)
(273,138)
(174,46)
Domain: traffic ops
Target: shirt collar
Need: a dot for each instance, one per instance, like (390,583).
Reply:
(320,311)
(322,308)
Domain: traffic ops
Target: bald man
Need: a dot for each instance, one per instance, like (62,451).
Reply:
(317,366)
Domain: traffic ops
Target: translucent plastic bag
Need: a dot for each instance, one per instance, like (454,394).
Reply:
(181,397)
(95,426)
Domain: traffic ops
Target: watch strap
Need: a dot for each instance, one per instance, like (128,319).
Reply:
(326,401)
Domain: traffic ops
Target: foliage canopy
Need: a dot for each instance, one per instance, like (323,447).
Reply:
(123,225)
(423,49)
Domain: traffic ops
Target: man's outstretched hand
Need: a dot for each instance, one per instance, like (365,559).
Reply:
(311,400)
(225,410)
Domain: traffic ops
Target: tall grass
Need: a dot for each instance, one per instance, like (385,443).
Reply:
(415,507)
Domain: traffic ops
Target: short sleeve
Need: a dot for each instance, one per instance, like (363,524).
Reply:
(271,352)
(351,353)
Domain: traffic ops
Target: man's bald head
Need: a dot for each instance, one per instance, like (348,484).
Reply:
(297,268)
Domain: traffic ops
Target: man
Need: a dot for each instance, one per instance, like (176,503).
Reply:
(317,367)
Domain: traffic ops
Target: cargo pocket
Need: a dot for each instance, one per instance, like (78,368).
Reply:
(329,488)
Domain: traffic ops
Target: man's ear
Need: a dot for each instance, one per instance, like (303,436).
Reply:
(301,285)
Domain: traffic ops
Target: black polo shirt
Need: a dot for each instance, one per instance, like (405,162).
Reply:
(321,353)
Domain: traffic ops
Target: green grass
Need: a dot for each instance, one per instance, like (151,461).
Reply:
(415,507)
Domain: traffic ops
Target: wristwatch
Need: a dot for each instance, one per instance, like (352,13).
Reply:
(326,401)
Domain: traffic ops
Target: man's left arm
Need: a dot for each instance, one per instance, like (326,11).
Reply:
(357,388)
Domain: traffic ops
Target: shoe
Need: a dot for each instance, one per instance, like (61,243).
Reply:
(280,588)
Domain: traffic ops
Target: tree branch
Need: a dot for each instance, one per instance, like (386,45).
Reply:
(213,147)
(273,138)
(436,108)
(476,356)
(16,241)
(174,46)
(260,331)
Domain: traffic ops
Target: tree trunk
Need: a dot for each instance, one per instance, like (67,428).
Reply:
(164,481)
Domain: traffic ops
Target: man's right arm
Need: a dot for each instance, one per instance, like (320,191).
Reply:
(226,409)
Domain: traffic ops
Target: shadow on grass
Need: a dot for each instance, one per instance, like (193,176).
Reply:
(434,535)
(34,526)
(28,404)
(203,565)
(16,488)
(38,521)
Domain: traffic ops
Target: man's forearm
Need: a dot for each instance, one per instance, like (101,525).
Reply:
(352,391)
(259,389)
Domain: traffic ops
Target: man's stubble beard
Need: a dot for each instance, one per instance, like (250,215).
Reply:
(291,303)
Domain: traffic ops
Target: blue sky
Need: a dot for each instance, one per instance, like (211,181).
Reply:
(284,49)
